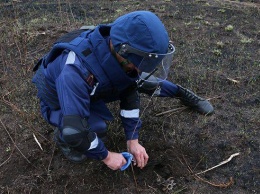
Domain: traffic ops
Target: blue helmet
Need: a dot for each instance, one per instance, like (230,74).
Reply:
(141,38)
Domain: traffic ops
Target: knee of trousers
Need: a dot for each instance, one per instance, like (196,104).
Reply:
(98,127)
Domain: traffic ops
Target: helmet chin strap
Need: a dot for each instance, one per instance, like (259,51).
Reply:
(124,63)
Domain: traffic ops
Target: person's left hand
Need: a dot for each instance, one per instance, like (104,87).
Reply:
(139,153)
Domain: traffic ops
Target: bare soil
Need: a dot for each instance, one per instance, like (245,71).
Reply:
(217,56)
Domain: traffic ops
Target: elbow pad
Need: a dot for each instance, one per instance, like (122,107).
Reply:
(76,133)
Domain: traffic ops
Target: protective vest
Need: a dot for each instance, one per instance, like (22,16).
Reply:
(92,47)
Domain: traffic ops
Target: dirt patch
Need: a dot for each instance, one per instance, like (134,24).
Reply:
(217,56)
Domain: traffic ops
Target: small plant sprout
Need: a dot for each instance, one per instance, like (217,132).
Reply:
(222,10)
(206,22)
(229,28)
(8,149)
(246,40)
(220,44)
(198,17)
(187,23)
(217,52)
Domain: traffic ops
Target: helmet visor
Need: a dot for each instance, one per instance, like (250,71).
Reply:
(152,63)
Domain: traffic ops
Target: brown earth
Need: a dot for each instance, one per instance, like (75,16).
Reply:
(217,56)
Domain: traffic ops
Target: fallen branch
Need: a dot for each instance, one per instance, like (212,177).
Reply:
(220,164)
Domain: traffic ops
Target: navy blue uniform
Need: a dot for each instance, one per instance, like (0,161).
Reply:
(67,86)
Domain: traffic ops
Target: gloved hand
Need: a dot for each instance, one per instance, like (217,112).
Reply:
(129,158)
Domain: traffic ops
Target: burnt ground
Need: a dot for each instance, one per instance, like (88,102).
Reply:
(217,56)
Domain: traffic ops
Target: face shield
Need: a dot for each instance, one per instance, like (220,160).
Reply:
(154,64)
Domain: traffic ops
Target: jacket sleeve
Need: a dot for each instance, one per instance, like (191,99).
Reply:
(129,113)
(74,98)
(161,88)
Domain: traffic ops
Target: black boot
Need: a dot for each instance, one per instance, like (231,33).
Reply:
(68,152)
(197,103)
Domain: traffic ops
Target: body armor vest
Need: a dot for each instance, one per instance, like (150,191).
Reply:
(92,48)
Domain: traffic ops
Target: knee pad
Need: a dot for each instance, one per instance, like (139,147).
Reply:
(76,133)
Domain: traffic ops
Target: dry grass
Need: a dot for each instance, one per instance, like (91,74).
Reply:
(221,65)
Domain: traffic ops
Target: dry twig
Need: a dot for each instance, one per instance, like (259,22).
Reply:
(49,166)
(14,142)
(37,141)
(172,110)
(233,80)
(220,185)
(22,113)
(220,164)
(7,158)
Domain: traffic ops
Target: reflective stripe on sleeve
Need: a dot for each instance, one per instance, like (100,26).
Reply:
(71,58)
(130,113)
(94,143)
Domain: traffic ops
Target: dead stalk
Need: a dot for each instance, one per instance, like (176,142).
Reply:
(220,185)
(35,138)
(220,164)
(216,97)
(148,104)
(170,111)
(18,48)
(245,4)
(14,142)
(48,170)
(7,158)
(22,113)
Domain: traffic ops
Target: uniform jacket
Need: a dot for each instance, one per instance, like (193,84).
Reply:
(65,88)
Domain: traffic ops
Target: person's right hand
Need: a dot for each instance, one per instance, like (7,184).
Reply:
(114,160)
